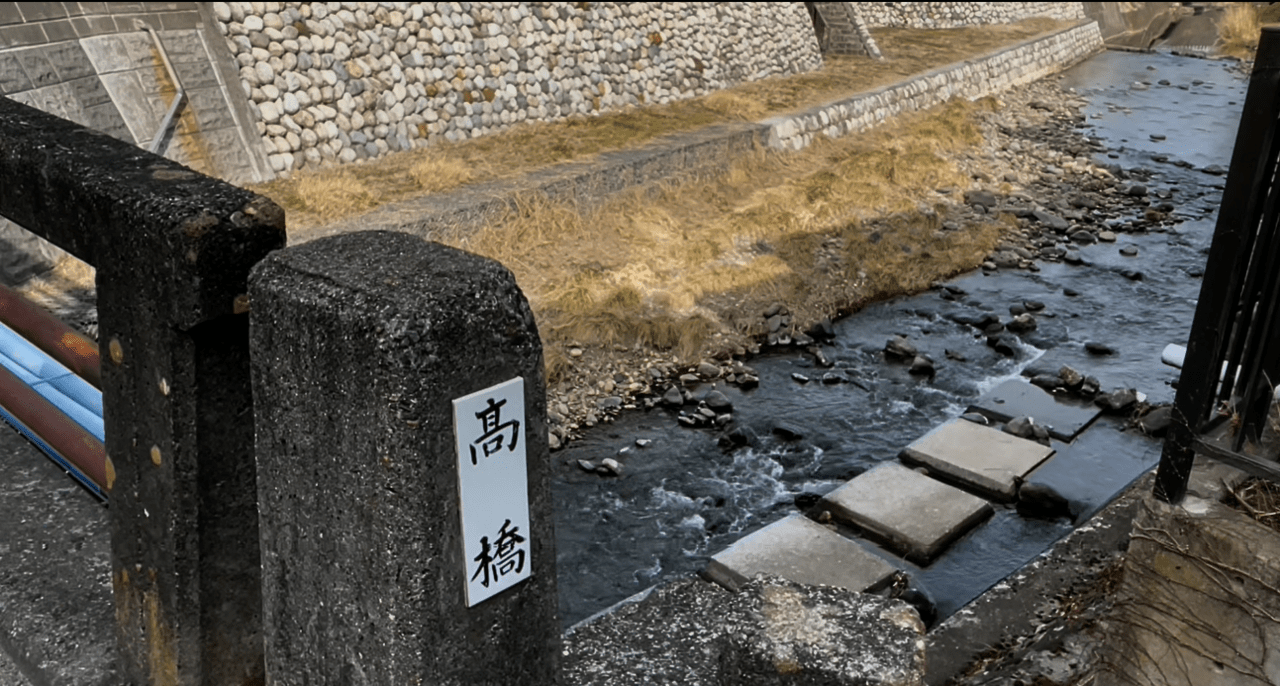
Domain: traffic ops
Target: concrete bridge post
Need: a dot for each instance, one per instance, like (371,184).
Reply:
(172,250)
(403,467)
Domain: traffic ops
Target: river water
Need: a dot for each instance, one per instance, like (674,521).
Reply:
(681,498)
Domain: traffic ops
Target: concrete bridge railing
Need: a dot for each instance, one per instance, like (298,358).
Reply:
(395,514)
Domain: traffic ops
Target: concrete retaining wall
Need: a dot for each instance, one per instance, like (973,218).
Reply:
(946,15)
(1198,603)
(91,63)
(712,150)
(972,79)
(352,80)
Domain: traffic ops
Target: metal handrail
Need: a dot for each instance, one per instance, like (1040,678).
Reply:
(164,135)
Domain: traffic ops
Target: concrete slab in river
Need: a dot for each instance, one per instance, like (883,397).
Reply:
(803,551)
(980,458)
(914,515)
(1064,419)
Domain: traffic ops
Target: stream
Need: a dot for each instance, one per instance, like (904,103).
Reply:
(682,498)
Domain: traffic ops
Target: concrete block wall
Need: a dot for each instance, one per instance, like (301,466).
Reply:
(351,80)
(971,79)
(946,15)
(91,63)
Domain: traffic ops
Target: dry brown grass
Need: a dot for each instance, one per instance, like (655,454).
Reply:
(1259,498)
(1239,30)
(331,194)
(693,267)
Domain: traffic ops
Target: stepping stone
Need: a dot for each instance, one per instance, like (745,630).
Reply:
(1064,418)
(803,551)
(980,458)
(912,514)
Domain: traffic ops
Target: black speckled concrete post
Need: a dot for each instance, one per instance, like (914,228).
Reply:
(361,343)
(172,250)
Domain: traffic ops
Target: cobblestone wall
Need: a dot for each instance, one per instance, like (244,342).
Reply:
(971,79)
(350,80)
(945,15)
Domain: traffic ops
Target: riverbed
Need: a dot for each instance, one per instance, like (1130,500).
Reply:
(681,497)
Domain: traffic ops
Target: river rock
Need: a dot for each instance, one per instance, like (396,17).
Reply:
(823,330)
(799,378)
(981,198)
(1005,343)
(1157,420)
(1022,427)
(1117,401)
(718,402)
(1022,323)
(740,435)
(1051,221)
(1129,251)
(976,418)
(673,397)
(1096,348)
(787,432)
(1071,379)
(609,467)
(834,378)
(921,365)
(1041,501)
(1049,382)
(707,370)
(748,381)
(900,348)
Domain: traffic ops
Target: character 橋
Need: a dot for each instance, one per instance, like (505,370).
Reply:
(504,556)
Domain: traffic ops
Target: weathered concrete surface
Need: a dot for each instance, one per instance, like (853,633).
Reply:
(1132,24)
(1018,606)
(983,459)
(1064,418)
(56,621)
(774,631)
(1199,602)
(803,551)
(172,250)
(361,343)
(1076,471)
(911,513)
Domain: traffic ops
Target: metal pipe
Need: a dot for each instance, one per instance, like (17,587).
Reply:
(64,441)
(160,141)
(74,350)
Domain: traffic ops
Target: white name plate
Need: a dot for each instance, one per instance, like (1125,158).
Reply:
(493,489)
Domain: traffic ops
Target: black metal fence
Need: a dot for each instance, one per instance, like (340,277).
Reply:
(1232,363)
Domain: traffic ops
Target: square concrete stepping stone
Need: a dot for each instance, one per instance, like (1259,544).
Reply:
(803,551)
(1065,418)
(980,458)
(912,514)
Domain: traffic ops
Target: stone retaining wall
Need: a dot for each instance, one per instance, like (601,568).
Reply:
(972,79)
(352,80)
(946,15)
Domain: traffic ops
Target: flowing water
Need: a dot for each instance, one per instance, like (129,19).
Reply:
(682,498)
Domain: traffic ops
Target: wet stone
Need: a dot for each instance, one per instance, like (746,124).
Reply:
(1063,418)
(802,551)
(912,514)
(981,458)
